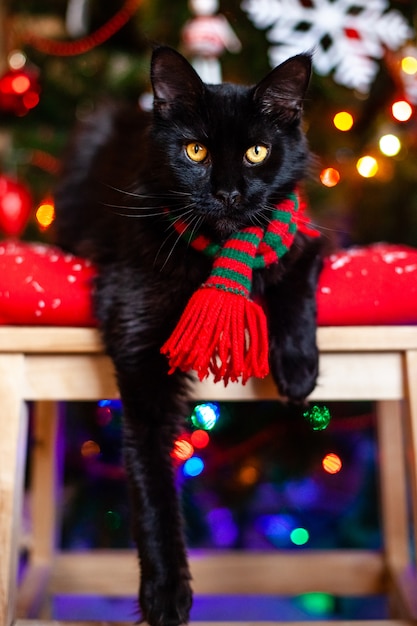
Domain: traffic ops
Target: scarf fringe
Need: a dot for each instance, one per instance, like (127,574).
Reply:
(220,332)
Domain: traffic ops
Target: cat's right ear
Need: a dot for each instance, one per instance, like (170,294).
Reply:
(281,93)
(174,81)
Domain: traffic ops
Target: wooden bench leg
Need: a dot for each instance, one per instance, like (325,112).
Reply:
(13,440)
(393,495)
(406,579)
(393,482)
(44,505)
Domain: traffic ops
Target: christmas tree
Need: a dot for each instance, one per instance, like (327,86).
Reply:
(67,55)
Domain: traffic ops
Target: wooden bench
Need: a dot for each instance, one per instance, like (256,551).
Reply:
(47,365)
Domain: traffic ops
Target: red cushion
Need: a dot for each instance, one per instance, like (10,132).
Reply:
(42,285)
(377,284)
(374,284)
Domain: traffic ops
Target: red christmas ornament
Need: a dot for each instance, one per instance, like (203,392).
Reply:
(19,91)
(15,206)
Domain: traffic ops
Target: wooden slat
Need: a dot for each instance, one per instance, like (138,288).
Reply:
(69,377)
(393,483)
(45,477)
(33,591)
(115,573)
(49,339)
(366,338)
(13,434)
(54,339)
(411,430)
(405,583)
(376,376)
(367,376)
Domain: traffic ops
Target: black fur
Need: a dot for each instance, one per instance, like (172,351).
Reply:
(123,169)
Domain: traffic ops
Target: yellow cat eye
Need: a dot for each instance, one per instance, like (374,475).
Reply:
(256,154)
(196,151)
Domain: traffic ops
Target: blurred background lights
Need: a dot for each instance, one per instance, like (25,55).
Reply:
(401,110)
(299,536)
(317,603)
(277,528)
(332,463)
(248,475)
(367,166)
(45,214)
(205,415)
(409,65)
(343,121)
(16,60)
(329,177)
(193,466)
(182,450)
(90,449)
(200,438)
(223,528)
(389,145)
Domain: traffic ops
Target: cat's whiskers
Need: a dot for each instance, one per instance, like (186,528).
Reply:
(160,196)
(132,211)
(195,218)
(180,217)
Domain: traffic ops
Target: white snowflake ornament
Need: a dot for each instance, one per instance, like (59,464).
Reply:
(346,36)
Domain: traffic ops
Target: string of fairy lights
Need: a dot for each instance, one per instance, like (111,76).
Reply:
(20,93)
(388,144)
(191,452)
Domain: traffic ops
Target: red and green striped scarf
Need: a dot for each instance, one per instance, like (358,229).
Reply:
(222,330)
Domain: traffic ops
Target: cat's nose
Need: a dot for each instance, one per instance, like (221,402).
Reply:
(229,198)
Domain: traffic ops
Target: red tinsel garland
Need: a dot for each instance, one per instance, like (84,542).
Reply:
(102,34)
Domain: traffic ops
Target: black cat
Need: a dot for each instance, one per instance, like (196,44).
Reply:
(218,158)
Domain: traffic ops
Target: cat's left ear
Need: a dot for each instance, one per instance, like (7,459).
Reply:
(282,91)
(174,81)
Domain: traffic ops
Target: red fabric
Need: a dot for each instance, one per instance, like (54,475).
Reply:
(220,332)
(42,285)
(377,284)
(372,285)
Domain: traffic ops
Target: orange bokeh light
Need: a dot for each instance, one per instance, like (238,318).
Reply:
(332,463)
(182,450)
(45,214)
(343,121)
(329,177)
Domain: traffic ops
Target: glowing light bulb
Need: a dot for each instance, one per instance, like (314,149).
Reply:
(318,416)
(200,438)
(318,603)
(182,450)
(20,84)
(248,475)
(367,166)
(16,59)
(409,65)
(45,214)
(329,177)
(205,415)
(343,121)
(389,145)
(90,448)
(193,466)
(332,463)
(299,536)
(401,110)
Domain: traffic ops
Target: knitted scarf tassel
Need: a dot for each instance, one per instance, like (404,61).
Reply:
(222,330)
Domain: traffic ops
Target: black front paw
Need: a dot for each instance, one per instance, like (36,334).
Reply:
(295,371)
(166,603)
